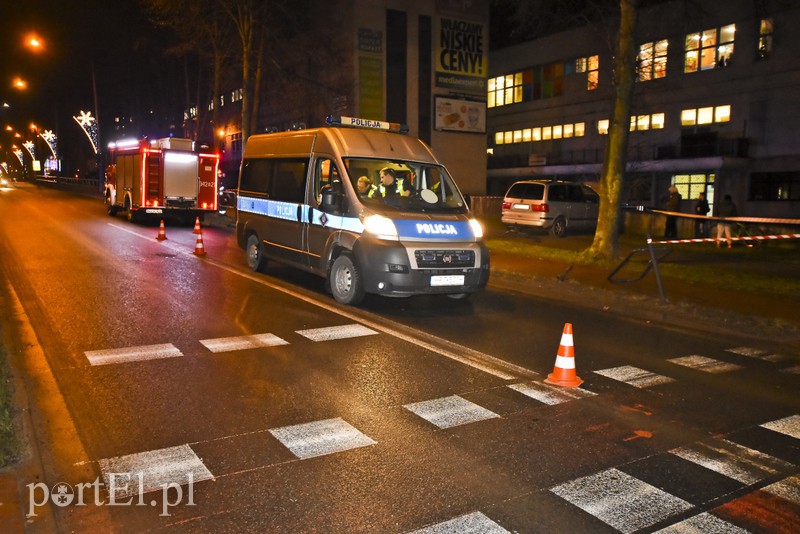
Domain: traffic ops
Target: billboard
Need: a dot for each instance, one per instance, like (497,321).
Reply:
(455,114)
(461,54)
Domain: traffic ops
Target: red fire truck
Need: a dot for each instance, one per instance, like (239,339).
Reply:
(161,179)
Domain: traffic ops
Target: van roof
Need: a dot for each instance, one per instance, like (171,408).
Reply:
(348,142)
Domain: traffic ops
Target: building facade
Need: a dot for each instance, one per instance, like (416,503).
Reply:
(714,106)
(421,63)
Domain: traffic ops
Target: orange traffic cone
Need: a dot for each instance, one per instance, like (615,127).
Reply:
(162,233)
(198,247)
(564,371)
(196,226)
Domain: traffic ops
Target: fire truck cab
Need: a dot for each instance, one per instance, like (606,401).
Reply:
(161,179)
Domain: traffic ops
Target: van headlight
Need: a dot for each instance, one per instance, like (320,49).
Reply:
(477,229)
(381,227)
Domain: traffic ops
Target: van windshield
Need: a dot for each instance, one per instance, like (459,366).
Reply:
(404,185)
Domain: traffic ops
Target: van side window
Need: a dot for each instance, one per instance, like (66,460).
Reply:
(557,193)
(589,195)
(277,179)
(325,174)
(575,193)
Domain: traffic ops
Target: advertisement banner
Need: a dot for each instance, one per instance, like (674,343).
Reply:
(461,55)
(460,115)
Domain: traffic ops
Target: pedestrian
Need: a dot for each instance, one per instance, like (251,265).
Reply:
(725,209)
(701,209)
(673,205)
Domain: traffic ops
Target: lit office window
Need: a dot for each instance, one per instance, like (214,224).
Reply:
(505,90)
(558,132)
(508,137)
(652,60)
(536,134)
(517,136)
(722,114)
(602,127)
(526,135)
(657,121)
(705,115)
(688,117)
(591,66)
(765,39)
(568,131)
(547,133)
(643,122)
(709,49)
(498,138)
(580,129)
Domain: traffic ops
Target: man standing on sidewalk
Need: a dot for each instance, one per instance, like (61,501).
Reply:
(701,209)
(673,204)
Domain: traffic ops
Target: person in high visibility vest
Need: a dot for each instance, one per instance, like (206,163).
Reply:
(391,185)
(366,188)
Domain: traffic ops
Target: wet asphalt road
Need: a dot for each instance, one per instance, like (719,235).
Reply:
(295,414)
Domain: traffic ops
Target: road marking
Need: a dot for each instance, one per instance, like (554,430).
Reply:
(150,471)
(474,522)
(708,365)
(788,488)
(756,353)
(634,376)
(227,344)
(337,332)
(795,370)
(132,354)
(620,500)
(551,395)
(448,412)
(705,523)
(732,460)
(319,438)
(788,425)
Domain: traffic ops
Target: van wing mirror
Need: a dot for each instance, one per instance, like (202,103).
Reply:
(332,197)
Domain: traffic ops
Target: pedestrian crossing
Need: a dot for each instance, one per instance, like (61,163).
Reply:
(620,499)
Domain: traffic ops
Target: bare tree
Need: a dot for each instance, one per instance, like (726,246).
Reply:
(606,238)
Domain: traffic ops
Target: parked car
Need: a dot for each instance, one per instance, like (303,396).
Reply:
(553,205)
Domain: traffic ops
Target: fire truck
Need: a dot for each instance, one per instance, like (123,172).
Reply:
(161,179)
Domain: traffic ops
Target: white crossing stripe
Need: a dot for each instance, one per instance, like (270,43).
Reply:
(143,472)
(550,394)
(788,425)
(319,438)
(756,353)
(709,365)
(620,500)
(448,412)
(704,523)
(474,523)
(788,488)
(795,370)
(227,344)
(337,332)
(634,376)
(734,461)
(132,354)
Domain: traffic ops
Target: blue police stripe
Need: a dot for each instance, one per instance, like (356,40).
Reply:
(288,211)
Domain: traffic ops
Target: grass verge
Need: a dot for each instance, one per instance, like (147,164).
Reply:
(8,440)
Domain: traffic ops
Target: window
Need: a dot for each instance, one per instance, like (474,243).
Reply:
(591,66)
(709,49)
(602,127)
(508,89)
(775,186)
(691,185)
(706,115)
(765,39)
(543,133)
(652,60)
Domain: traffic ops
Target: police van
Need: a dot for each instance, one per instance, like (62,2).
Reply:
(363,205)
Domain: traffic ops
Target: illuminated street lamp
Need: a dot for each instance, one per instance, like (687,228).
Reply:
(34,43)
(19,84)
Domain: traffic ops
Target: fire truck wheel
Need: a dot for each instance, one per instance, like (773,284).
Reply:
(255,255)
(346,283)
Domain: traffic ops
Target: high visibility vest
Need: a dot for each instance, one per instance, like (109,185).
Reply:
(398,183)
(372,190)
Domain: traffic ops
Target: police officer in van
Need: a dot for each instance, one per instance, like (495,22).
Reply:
(366,188)
(391,185)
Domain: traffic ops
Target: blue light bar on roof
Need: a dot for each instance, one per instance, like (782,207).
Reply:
(356,122)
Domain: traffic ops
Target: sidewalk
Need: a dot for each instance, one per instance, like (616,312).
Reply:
(747,290)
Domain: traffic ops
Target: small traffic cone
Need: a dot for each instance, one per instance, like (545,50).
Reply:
(198,247)
(162,233)
(564,371)
(196,226)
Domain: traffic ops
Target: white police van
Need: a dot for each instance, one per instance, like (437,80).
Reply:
(299,203)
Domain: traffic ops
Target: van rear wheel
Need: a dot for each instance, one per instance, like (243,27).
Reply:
(559,228)
(254,255)
(347,286)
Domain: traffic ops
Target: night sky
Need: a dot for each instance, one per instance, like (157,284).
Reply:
(112,39)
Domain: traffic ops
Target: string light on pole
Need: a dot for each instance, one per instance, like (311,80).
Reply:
(89,126)
(18,153)
(31,148)
(51,140)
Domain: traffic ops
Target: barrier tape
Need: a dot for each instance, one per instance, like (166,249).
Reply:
(714,240)
(755,220)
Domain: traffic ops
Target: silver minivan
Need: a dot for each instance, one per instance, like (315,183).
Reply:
(553,205)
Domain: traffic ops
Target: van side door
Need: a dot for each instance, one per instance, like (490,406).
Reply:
(323,222)
(283,237)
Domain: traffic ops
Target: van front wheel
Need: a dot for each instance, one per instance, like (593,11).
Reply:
(345,280)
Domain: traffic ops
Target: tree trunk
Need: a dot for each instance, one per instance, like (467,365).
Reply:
(606,238)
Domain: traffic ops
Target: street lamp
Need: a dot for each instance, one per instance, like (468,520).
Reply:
(19,84)
(34,43)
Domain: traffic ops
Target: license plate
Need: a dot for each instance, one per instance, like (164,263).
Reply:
(521,206)
(448,280)
(153,211)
